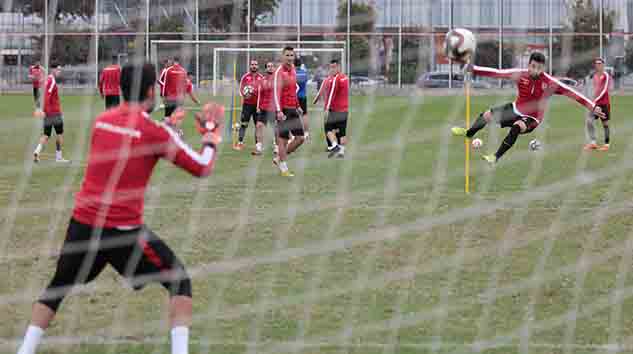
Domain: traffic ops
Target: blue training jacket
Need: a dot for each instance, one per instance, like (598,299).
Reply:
(302,81)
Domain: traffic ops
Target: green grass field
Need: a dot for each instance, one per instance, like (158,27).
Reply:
(382,252)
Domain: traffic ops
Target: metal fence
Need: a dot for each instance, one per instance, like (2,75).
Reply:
(389,42)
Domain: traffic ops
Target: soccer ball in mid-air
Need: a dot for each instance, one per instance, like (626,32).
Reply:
(248,90)
(535,145)
(476,143)
(460,45)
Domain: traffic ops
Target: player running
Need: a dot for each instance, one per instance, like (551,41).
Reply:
(248,91)
(52,117)
(265,109)
(107,226)
(336,110)
(36,75)
(110,84)
(189,89)
(286,110)
(601,82)
(302,82)
(526,113)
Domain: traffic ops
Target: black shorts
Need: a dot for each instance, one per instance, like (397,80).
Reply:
(53,122)
(36,93)
(111,101)
(249,111)
(137,254)
(170,106)
(265,117)
(292,124)
(506,117)
(606,109)
(303,103)
(336,121)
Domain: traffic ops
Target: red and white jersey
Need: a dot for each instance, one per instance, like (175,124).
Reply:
(285,88)
(51,97)
(325,89)
(533,94)
(160,78)
(337,95)
(252,80)
(36,74)
(125,146)
(265,94)
(601,88)
(173,83)
(110,81)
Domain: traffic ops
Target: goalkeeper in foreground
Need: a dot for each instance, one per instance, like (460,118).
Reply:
(107,226)
(526,113)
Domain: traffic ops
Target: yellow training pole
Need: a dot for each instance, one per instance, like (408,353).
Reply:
(234,113)
(467,141)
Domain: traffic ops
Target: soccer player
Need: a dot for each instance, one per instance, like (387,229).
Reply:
(526,113)
(265,109)
(52,117)
(248,92)
(166,64)
(110,84)
(336,110)
(601,82)
(174,85)
(286,110)
(36,75)
(324,89)
(107,226)
(302,81)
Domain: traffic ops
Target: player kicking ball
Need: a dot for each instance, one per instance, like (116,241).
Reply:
(526,113)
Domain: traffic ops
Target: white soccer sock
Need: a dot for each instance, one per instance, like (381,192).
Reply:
(259,147)
(38,149)
(31,340)
(58,154)
(283,166)
(180,340)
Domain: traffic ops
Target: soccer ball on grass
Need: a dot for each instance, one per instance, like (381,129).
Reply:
(460,45)
(248,91)
(535,145)
(476,143)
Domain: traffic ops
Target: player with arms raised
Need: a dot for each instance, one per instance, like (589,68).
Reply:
(248,91)
(601,82)
(107,226)
(526,113)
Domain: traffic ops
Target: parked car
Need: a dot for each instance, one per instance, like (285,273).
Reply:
(361,81)
(437,79)
(568,81)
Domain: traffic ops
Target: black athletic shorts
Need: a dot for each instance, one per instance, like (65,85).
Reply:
(303,103)
(170,106)
(36,94)
(265,117)
(137,254)
(336,121)
(111,101)
(606,109)
(292,124)
(53,122)
(249,111)
(506,117)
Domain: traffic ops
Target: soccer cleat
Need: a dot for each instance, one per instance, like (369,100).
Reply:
(239,146)
(591,146)
(287,174)
(458,131)
(36,157)
(491,159)
(333,151)
(604,147)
